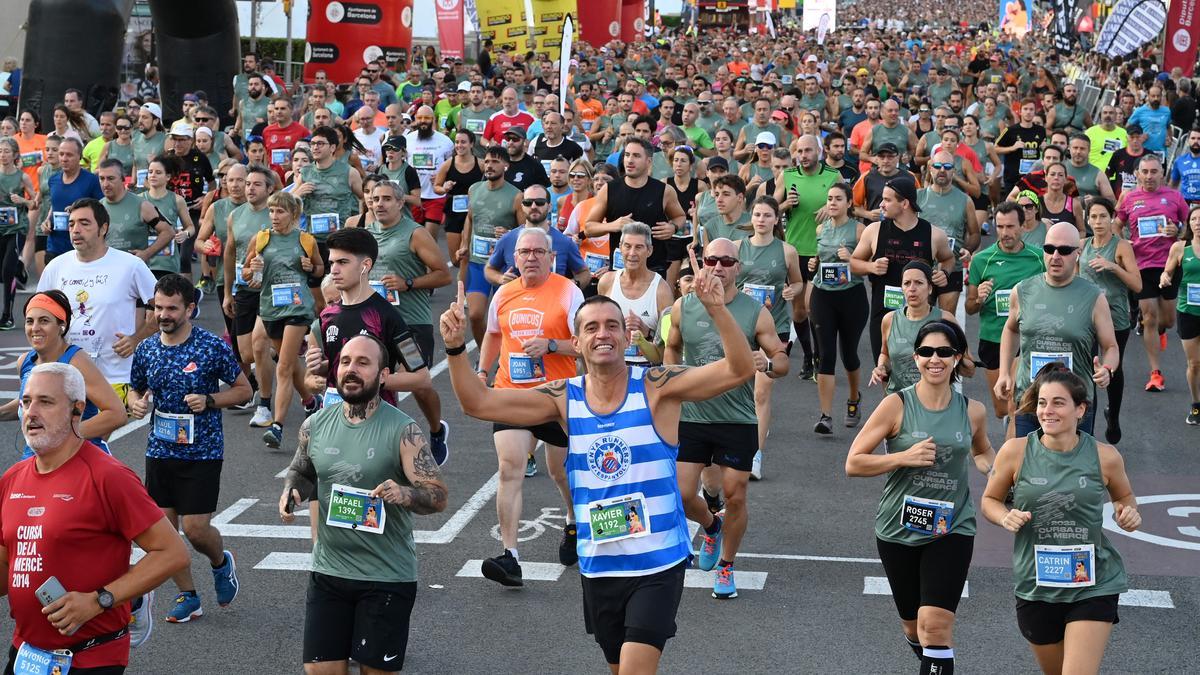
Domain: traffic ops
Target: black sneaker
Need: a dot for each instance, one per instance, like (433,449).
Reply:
(503,569)
(824,425)
(568,555)
(715,505)
(1112,434)
(852,415)
(7,323)
(809,370)
(1193,417)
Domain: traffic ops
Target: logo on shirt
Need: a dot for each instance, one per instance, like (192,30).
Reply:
(63,496)
(20,495)
(525,323)
(190,367)
(609,458)
(331,333)
(35,511)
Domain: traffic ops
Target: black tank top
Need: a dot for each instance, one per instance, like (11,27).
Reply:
(686,197)
(645,205)
(1067,215)
(462,183)
(900,248)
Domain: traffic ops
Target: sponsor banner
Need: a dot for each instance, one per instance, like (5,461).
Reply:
(343,36)
(1179,49)
(450,28)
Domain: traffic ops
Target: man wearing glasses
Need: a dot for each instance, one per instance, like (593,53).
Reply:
(503,266)
(949,208)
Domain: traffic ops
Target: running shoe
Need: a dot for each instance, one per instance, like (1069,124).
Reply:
(199,299)
(249,405)
(311,406)
(7,323)
(226,581)
(503,569)
(756,466)
(710,549)
(852,416)
(141,620)
(715,505)
(808,371)
(568,555)
(262,417)
(437,444)
(723,587)
(1193,417)
(531,466)
(187,607)
(1112,432)
(273,436)
(1162,342)
(205,285)
(1156,382)
(824,425)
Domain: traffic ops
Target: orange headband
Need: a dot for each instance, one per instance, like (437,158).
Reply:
(43,301)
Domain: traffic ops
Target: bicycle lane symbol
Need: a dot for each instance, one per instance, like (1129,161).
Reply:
(551,517)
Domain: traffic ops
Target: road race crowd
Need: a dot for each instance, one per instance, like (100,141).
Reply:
(635,269)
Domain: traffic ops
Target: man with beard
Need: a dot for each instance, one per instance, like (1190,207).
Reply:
(331,192)
(253,109)
(509,116)
(148,142)
(502,266)
(1019,145)
(1089,180)
(176,378)
(835,157)
(427,150)
(364,576)
(195,177)
(523,170)
(857,112)
(949,208)
(1185,171)
(858,133)
(889,130)
(868,190)
(1106,138)
(1155,120)
(1066,115)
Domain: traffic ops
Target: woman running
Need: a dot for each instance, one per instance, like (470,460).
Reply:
(454,177)
(687,186)
(174,210)
(896,366)
(1068,575)
(1057,205)
(839,306)
(931,433)
(16,196)
(1185,255)
(367,216)
(1107,260)
(121,147)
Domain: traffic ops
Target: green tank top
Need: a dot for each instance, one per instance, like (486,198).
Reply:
(706,207)
(702,345)
(660,167)
(979,147)
(284,287)
(475,122)
(1056,325)
(332,194)
(1035,238)
(397,257)
(124,155)
(947,211)
(246,224)
(1085,178)
(921,504)
(397,175)
(763,172)
(253,110)
(833,273)
(1189,285)
(489,209)
(146,148)
(13,217)
(763,276)
(1065,493)
(989,127)
(716,228)
(898,134)
(901,343)
(782,138)
(361,456)
(221,210)
(167,260)
(1114,289)
(126,230)
(1068,117)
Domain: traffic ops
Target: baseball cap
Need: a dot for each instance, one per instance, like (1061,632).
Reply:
(779,115)
(182,128)
(464,86)
(395,143)
(190,98)
(1163,76)
(1135,128)
(905,188)
(153,109)
(862,71)
(888,149)
(765,137)
(517,130)
(718,163)
(811,58)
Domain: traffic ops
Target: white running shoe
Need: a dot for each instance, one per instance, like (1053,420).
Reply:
(141,621)
(756,466)
(262,417)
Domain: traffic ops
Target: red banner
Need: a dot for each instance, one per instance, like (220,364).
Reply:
(599,21)
(450,28)
(1181,37)
(343,36)
(631,20)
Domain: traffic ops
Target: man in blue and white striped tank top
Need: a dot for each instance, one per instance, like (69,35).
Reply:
(623,427)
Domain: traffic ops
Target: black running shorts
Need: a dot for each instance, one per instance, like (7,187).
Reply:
(362,620)
(617,610)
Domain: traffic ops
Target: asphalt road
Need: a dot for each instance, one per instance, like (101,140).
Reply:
(821,604)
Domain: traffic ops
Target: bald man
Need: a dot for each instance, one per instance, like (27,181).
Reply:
(427,149)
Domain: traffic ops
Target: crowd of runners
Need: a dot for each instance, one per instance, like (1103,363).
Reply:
(634,268)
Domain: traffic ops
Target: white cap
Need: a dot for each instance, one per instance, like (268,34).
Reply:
(811,58)
(153,109)
(181,128)
(464,86)
(765,137)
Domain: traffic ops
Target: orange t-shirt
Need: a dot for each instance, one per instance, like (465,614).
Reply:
(33,153)
(589,111)
(519,314)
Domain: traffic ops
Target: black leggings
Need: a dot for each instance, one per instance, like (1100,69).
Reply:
(839,318)
(930,574)
(1116,387)
(878,311)
(10,267)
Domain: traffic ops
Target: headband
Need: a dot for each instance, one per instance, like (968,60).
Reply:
(43,301)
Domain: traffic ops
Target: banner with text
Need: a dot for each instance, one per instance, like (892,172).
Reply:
(343,36)
(503,22)
(450,28)
(1181,38)
(548,16)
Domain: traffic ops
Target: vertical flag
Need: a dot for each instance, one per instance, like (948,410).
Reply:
(564,61)
(1182,34)
(1064,25)
(450,28)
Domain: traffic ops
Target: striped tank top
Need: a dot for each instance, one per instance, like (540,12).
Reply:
(610,458)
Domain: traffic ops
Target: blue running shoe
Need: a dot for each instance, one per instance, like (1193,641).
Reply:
(723,587)
(437,444)
(273,436)
(187,607)
(710,550)
(226,581)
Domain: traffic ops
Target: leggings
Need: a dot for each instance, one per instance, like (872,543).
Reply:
(839,318)
(1116,387)
(10,267)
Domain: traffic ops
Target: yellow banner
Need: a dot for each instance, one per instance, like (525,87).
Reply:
(504,22)
(548,18)
(787,4)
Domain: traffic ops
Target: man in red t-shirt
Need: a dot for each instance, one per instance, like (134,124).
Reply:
(510,115)
(70,512)
(281,135)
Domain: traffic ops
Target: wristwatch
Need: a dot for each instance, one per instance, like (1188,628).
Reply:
(552,346)
(209,402)
(104,599)
(408,281)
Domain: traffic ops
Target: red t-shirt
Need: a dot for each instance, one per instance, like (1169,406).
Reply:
(74,523)
(501,122)
(276,137)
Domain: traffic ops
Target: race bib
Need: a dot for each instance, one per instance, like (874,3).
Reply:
(331,398)
(460,203)
(765,295)
(421,160)
(139,178)
(893,297)
(1026,166)
(29,159)
(1112,145)
(33,661)
(587,124)
(1003,302)
(523,369)
(174,428)
(59,221)
(836,274)
(475,126)
(1039,360)
(785,79)
(927,516)
(618,261)
(442,121)
(280,156)
(383,291)
(8,215)
(284,295)
(166,252)
(324,223)
(353,508)
(595,262)
(618,518)
(1151,226)
(1192,295)
(1065,566)
(684,231)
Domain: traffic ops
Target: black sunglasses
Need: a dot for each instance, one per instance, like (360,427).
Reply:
(534,202)
(723,261)
(1051,249)
(928,352)
(204,119)
(124,127)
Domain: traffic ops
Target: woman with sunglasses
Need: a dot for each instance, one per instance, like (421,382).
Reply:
(1185,256)
(769,273)
(1033,226)
(579,179)
(595,250)
(925,524)
(1058,206)
(896,366)
(214,222)
(159,173)
(1068,574)
(16,196)
(1108,261)
(121,147)
(454,177)
(758,171)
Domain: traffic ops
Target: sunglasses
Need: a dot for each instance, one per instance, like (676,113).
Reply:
(764,146)
(534,202)
(1051,249)
(202,120)
(723,261)
(942,352)
(947,166)
(1029,207)
(124,127)
(578,174)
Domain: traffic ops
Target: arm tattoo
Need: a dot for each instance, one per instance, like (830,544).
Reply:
(302,474)
(661,375)
(427,494)
(554,390)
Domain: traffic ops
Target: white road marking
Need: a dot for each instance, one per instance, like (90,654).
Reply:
(279,560)
(880,586)
(530,571)
(808,558)
(745,581)
(1136,597)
